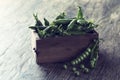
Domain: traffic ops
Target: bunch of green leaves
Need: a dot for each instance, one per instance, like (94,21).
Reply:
(62,26)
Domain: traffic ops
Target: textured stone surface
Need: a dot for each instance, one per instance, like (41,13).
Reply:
(17,61)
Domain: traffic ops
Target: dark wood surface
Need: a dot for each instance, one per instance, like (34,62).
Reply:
(17,62)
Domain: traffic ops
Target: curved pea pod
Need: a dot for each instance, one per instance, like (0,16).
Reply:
(72,24)
(83,23)
(62,21)
(46,22)
(61,16)
(79,14)
(40,33)
(48,29)
(36,28)
(33,28)
(93,49)
(38,22)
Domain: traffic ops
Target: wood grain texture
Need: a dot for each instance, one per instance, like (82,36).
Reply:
(17,62)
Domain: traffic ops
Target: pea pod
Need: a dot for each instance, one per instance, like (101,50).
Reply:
(61,16)
(46,22)
(72,24)
(38,22)
(82,22)
(62,21)
(94,46)
(33,28)
(79,14)
(40,33)
(36,28)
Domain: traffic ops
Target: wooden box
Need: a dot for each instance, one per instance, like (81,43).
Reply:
(60,49)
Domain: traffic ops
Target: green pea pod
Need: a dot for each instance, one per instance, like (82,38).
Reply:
(46,22)
(93,49)
(82,22)
(61,16)
(38,22)
(33,28)
(41,27)
(62,21)
(60,30)
(36,28)
(79,14)
(40,33)
(92,26)
(72,24)
(48,29)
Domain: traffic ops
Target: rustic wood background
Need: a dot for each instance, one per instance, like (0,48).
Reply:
(17,61)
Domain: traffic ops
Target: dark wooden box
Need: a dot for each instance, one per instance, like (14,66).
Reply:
(60,49)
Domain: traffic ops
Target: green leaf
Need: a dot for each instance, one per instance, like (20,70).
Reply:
(46,22)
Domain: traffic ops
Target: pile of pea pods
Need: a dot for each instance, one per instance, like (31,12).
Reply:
(63,26)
